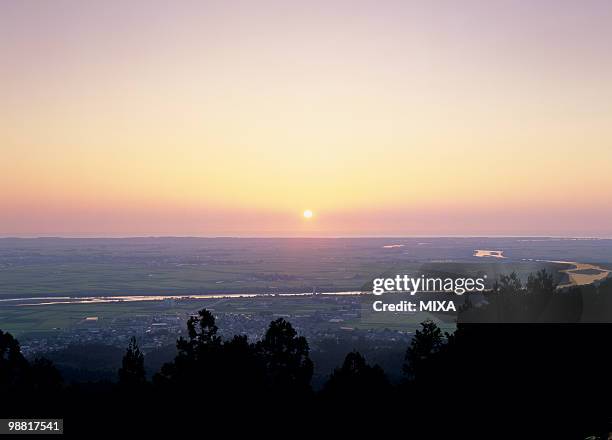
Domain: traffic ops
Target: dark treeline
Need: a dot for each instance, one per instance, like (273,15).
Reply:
(486,380)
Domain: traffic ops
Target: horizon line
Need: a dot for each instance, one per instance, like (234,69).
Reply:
(232,236)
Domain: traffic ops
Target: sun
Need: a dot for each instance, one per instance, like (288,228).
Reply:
(308,213)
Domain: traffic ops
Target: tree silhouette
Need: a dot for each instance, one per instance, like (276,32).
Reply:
(542,282)
(424,345)
(17,375)
(132,371)
(286,358)
(13,366)
(202,330)
(44,376)
(198,361)
(242,369)
(356,379)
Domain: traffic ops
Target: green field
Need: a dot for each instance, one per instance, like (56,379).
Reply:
(51,318)
(59,267)
(188,266)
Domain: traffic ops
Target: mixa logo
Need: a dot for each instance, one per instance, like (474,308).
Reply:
(413,306)
(437,306)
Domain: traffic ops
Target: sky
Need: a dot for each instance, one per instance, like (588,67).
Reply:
(385,118)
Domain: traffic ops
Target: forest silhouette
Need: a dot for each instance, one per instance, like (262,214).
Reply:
(494,380)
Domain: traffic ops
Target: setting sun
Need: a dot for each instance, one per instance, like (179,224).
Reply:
(348,110)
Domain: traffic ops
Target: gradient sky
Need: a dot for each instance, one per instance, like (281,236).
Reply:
(232,117)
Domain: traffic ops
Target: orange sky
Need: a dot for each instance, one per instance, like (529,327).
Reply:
(384,118)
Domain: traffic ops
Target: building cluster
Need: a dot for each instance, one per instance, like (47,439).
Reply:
(161,327)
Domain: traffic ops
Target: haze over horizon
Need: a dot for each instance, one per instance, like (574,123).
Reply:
(298,237)
(233,118)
